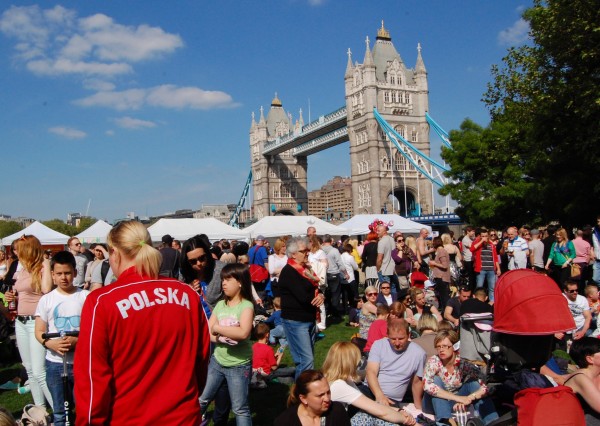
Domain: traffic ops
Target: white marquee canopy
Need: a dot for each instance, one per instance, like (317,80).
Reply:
(277,226)
(182,229)
(46,235)
(359,224)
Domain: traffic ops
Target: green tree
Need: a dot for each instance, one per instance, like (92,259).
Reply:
(60,226)
(9,227)
(85,223)
(549,91)
(487,175)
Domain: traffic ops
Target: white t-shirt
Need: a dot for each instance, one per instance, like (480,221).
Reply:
(577,307)
(466,248)
(318,256)
(344,391)
(61,312)
(350,264)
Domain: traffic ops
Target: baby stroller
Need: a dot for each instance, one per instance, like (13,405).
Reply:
(476,337)
(529,308)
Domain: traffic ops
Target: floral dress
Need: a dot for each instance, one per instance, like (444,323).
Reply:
(464,371)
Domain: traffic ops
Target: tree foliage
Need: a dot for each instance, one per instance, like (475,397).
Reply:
(545,105)
(9,227)
(60,226)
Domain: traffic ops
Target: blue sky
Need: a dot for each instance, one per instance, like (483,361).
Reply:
(145,106)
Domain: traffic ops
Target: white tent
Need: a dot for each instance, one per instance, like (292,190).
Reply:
(96,233)
(46,235)
(359,224)
(276,226)
(182,229)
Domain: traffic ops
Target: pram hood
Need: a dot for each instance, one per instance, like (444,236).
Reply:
(529,303)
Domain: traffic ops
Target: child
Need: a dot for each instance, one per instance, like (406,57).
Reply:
(275,319)
(230,325)
(60,310)
(592,295)
(353,313)
(264,363)
(378,329)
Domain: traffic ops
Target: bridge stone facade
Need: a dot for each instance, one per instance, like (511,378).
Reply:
(378,170)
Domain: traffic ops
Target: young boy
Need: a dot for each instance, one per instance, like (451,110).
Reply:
(275,320)
(264,362)
(60,310)
(378,329)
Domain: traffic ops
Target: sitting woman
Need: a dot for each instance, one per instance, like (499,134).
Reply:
(340,370)
(368,313)
(453,384)
(585,382)
(420,306)
(310,403)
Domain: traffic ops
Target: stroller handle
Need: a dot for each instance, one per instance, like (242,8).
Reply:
(60,334)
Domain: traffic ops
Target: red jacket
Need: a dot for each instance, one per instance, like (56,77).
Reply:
(142,354)
(477,254)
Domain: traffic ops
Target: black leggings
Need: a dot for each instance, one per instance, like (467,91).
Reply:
(442,288)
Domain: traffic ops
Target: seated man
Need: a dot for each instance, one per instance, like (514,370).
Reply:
(452,310)
(394,364)
(580,309)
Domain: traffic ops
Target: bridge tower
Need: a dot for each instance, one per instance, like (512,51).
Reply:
(279,181)
(401,97)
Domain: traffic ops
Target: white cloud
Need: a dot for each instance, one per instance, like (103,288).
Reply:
(55,41)
(134,123)
(109,133)
(164,96)
(98,85)
(517,34)
(67,132)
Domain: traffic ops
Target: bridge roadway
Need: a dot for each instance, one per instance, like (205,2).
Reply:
(325,132)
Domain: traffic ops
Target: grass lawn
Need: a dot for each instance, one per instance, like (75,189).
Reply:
(266,404)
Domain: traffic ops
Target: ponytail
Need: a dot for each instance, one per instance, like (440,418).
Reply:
(134,242)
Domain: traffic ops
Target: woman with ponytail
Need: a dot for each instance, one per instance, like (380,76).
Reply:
(310,404)
(32,280)
(143,345)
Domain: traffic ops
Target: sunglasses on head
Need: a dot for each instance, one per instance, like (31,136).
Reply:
(197,259)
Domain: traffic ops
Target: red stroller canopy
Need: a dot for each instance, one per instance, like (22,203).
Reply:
(529,303)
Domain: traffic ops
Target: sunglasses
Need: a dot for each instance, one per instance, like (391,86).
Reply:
(304,251)
(385,288)
(400,240)
(200,259)
(571,291)
(371,294)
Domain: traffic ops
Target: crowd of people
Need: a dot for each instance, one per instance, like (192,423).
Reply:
(226,305)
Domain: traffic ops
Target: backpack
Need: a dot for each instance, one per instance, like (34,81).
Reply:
(104,270)
(548,407)
(34,415)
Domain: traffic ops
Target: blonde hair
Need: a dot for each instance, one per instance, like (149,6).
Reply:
(427,322)
(411,243)
(446,334)
(371,289)
(341,362)
(354,243)
(278,244)
(6,419)
(133,241)
(31,256)
(446,239)
(562,232)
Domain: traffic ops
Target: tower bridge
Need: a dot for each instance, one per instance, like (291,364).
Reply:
(382,85)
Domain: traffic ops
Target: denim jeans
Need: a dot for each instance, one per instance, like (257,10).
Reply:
(596,272)
(278,333)
(238,380)
(33,356)
(442,408)
(490,277)
(301,341)
(54,372)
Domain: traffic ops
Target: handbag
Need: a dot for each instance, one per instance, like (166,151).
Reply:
(575,270)
(34,415)
(258,273)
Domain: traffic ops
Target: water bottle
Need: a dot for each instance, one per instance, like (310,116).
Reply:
(12,305)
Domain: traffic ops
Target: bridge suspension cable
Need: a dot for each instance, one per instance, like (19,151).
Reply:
(438,129)
(419,160)
(235,216)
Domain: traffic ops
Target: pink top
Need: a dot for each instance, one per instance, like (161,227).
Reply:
(582,250)
(28,300)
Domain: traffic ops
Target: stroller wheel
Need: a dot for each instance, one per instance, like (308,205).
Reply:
(475,422)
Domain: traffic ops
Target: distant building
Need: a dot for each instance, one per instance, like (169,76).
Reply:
(73,219)
(5,217)
(333,202)
(23,221)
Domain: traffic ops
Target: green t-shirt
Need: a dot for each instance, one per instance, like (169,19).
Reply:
(229,316)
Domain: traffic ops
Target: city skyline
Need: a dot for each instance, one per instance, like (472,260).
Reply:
(150,111)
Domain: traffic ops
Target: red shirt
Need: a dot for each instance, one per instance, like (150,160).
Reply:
(477,254)
(142,354)
(378,330)
(263,357)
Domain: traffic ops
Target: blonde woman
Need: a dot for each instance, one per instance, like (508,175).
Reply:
(277,261)
(368,313)
(339,369)
(455,257)
(33,279)
(562,254)
(135,331)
